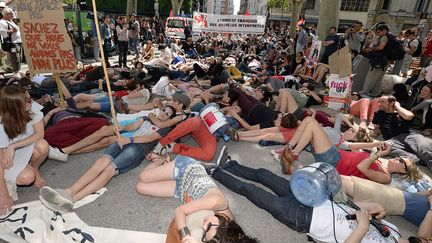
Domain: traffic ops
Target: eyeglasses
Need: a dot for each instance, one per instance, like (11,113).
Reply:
(203,239)
(404,163)
(167,112)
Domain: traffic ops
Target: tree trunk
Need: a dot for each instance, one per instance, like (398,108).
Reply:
(378,7)
(296,7)
(176,6)
(131,8)
(328,17)
(281,18)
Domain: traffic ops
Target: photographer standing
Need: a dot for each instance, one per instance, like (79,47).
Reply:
(134,30)
(355,36)
(12,43)
(106,37)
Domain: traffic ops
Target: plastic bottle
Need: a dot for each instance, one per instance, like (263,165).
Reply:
(312,185)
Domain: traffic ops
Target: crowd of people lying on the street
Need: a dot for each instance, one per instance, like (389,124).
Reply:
(267,94)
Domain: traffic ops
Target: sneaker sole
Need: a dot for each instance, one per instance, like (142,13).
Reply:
(52,207)
(53,200)
(221,155)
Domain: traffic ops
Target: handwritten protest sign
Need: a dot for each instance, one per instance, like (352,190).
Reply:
(340,89)
(47,45)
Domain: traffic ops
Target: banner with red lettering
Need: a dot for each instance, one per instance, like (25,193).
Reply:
(47,45)
(339,93)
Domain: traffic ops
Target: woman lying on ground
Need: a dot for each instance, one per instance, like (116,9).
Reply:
(414,207)
(186,179)
(282,132)
(22,147)
(364,108)
(360,164)
(118,158)
(318,222)
(67,127)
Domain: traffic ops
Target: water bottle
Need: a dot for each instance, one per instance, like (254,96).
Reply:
(314,184)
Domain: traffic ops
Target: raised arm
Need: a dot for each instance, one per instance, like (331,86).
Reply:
(377,176)
(404,113)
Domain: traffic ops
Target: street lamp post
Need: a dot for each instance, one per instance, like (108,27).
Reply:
(156,7)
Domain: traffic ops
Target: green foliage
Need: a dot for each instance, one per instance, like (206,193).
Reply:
(144,7)
(284,4)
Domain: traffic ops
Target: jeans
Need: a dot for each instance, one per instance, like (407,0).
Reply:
(127,158)
(123,48)
(331,156)
(413,146)
(282,205)
(15,58)
(134,42)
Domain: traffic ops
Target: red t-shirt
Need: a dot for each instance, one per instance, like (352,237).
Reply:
(349,161)
(428,47)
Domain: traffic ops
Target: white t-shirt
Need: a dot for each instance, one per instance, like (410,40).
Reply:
(146,128)
(22,155)
(411,44)
(16,36)
(321,227)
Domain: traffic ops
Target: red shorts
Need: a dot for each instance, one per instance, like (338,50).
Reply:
(72,130)
(287,133)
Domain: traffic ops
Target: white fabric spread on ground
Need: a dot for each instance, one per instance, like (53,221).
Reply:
(33,222)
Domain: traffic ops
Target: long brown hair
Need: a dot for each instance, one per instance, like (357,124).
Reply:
(230,232)
(13,113)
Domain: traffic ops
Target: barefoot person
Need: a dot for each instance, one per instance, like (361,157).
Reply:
(22,147)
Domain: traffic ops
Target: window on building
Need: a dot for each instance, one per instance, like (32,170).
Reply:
(421,5)
(355,5)
(310,4)
(386,4)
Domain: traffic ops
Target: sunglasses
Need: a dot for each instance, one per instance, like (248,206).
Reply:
(203,239)
(404,163)
(167,112)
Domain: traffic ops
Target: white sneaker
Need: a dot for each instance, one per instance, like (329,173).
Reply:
(56,199)
(16,75)
(56,154)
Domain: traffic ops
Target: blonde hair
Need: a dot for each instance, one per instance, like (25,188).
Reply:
(413,172)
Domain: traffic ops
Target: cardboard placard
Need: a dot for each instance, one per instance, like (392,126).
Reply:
(47,45)
(339,93)
(340,62)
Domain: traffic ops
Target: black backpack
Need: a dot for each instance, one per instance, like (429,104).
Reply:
(394,49)
(419,49)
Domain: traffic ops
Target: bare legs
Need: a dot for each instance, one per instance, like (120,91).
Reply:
(286,102)
(95,178)
(93,142)
(40,152)
(254,136)
(310,131)
(157,181)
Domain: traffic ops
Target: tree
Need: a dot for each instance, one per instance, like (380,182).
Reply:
(176,6)
(295,11)
(131,8)
(378,7)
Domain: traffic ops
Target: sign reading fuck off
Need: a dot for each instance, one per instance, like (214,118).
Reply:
(339,92)
(47,45)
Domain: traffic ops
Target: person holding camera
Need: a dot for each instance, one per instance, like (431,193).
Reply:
(134,30)
(355,36)
(12,43)
(106,37)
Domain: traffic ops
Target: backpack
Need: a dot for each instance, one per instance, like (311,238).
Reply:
(394,49)
(419,49)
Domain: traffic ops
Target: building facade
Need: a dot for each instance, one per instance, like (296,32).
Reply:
(254,7)
(224,7)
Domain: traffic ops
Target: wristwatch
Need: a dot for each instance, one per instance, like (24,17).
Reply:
(131,140)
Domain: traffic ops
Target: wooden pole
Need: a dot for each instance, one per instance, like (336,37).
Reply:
(113,113)
(60,90)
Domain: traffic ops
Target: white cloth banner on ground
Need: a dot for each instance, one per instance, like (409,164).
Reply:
(33,222)
(240,24)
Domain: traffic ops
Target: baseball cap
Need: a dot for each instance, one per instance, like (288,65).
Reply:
(182,98)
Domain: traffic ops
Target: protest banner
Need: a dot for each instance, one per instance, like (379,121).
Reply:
(339,92)
(47,45)
(241,24)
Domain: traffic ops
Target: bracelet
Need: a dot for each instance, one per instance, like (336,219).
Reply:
(132,139)
(183,232)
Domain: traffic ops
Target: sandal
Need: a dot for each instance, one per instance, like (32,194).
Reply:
(233,134)
(155,158)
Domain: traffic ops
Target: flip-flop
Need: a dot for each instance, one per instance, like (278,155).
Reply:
(233,134)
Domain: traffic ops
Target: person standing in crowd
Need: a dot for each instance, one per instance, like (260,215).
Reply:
(134,30)
(106,37)
(12,33)
(355,36)
(95,42)
(379,63)
(331,44)
(302,39)
(410,46)
(122,37)
(426,57)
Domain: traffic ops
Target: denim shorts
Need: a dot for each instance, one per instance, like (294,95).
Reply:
(331,156)
(128,157)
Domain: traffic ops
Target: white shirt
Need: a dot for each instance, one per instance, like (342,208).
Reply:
(16,36)
(321,227)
